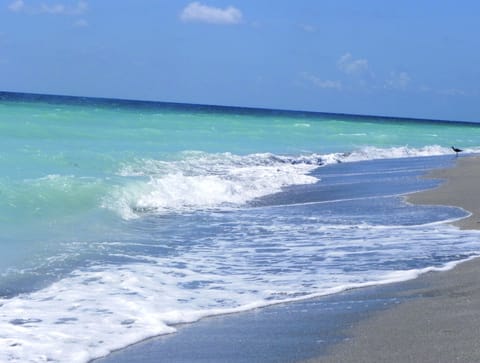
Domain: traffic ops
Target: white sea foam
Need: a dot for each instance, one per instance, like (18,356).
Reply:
(200,181)
(102,308)
(374,153)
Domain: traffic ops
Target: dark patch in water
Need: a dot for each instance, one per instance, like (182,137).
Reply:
(24,321)
(65,320)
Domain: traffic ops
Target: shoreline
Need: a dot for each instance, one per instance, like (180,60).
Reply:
(440,323)
(457,190)
(283,332)
(406,305)
(436,322)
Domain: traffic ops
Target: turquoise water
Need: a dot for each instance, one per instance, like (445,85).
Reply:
(73,149)
(128,217)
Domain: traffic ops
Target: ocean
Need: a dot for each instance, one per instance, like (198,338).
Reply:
(121,219)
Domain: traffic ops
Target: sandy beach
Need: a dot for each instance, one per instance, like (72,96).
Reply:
(459,189)
(439,321)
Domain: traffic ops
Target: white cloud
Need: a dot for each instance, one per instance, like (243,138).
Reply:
(321,83)
(398,80)
(197,12)
(61,9)
(81,23)
(452,92)
(347,64)
(16,6)
(308,28)
(444,91)
(52,8)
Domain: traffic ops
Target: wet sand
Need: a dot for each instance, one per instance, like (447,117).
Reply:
(291,332)
(441,323)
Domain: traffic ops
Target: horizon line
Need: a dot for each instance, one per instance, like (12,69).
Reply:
(127,101)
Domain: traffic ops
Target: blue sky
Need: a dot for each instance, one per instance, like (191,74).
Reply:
(403,58)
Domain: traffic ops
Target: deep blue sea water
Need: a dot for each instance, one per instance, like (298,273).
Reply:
(120,219)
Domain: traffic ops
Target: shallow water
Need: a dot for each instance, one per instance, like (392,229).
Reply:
(121,219)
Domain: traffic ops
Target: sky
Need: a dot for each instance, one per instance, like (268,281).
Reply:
(406,58)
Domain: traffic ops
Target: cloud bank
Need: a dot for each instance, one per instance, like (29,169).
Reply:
(197,12)
(79,8)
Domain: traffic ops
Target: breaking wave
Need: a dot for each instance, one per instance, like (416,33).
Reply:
(198,180)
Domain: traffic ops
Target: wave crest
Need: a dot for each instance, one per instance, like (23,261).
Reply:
(197,180)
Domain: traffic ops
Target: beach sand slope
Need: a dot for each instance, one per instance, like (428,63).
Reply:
(441,321)
(461,188)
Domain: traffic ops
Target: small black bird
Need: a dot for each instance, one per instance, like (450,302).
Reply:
(457,150)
